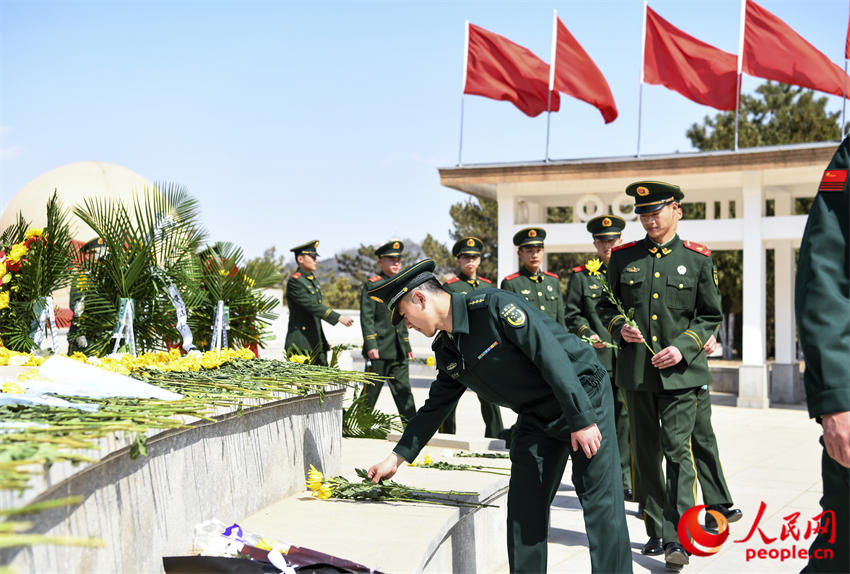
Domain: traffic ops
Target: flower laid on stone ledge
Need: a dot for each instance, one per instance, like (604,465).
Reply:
(482,454)
(428,462)
(385,491)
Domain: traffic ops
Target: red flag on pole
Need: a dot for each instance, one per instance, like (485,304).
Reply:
(773,50)
(499,69)
(575,74)
(680,62)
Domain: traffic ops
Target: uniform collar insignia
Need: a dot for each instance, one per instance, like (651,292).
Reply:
(653,249)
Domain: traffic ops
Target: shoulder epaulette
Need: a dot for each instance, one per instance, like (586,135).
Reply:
(375,278)
(624,245)
(579,268)
(480,278)
(512,276)
(701,249)
(452,280)
(296,275)
(550,274)
(833,180)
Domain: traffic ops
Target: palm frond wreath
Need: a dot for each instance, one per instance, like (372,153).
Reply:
(225,278)
(142,250)
(34,263)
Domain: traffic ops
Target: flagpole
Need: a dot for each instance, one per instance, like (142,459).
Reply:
(740,67)
(843,98)
(553,54)
(463,89)
(642,66)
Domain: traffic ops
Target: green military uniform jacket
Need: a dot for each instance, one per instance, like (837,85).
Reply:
(511,355)
(580,315)
(673,290)
(392,342)
(462,283)
(823,291)
(306,312)
(542,290)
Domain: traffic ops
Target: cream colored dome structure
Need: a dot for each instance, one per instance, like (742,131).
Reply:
(74,183)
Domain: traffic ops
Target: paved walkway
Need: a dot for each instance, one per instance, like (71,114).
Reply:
(769,456)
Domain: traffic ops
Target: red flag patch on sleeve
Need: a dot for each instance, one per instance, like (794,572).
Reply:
(833,180)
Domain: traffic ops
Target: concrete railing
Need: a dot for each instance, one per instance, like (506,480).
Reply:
(147,508)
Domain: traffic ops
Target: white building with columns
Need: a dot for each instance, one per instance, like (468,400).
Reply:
(735,188)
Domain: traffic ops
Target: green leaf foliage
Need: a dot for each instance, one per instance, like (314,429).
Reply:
(140,250)
(44,269)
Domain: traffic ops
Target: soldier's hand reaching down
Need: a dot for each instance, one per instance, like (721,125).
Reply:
(386,468)
(373,354)
(589,439)
(346,320)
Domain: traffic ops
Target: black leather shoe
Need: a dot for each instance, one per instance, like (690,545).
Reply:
(675,557)
(731,514)
(628,495)
(653,547)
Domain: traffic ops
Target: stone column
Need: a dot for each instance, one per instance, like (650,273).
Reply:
(507,253)
(752,374)
(785,383)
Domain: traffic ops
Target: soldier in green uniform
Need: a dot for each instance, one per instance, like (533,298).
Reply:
(512,354)
(468,253)
(306,311)
(540,288)
(672,286)
(823,320)
(386,347)
(583,292)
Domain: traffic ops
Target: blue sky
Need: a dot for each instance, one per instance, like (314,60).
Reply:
(298,120)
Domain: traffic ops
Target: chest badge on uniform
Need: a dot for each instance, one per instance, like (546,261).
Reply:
(632,269)
(513,315)
(594,286)
(682,269)
(451,366)
(525,291)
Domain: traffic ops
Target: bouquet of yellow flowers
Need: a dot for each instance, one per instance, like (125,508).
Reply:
(593,267)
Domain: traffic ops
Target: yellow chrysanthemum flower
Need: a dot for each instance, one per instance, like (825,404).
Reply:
(315,478)
(17,251)
(12,388)
(593,266)
(4,299)
(414,463)
(34,232)
(431,361)
(298,359)
(325,492)
(427,461)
